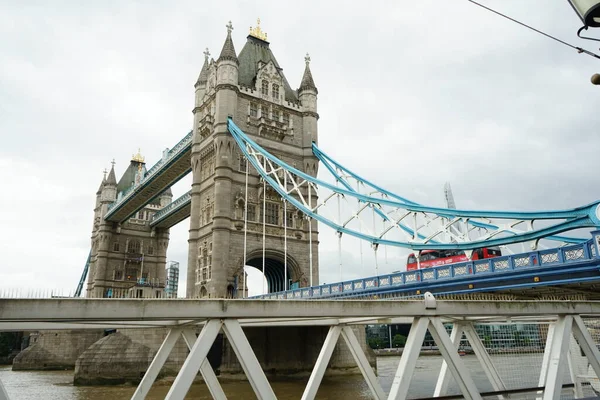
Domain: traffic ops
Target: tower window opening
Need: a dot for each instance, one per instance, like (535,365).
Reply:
(243,163)
(253,110)
(251,212)
(276,115)
(271,216)
(116,246)
(150,250)
(286,118)
(290,219)
(265,88)
(133,247)
(275,92)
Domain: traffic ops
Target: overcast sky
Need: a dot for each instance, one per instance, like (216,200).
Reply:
(411,95)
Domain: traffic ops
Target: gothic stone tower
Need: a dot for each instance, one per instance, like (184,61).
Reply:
(128,259)
(251,89)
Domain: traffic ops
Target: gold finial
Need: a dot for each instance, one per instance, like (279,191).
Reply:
(257,32)
(137,157)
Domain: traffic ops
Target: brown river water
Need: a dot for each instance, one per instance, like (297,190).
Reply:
(522,369)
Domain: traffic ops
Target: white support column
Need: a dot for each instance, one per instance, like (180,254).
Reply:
(558,355)
(455,365)
(3,394)
(546,358)
(587,344)
(321,365)
(443,378)
(406,367)
(205,369)
(362,362)
(248,360)
(157,363)
(484,358)
(192,363)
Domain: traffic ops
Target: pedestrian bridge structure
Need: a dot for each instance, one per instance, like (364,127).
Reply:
(570,331)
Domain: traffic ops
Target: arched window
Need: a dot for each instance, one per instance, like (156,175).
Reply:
(265,87)
(275,91)
(203,292)
(229,291)
(134,246)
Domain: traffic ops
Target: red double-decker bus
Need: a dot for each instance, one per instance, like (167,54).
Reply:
(435,258)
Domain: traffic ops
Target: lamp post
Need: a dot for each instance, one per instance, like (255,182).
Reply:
(588,11)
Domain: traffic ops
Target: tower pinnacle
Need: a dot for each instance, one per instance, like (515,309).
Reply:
(228,51)
(257,32)
(307,80)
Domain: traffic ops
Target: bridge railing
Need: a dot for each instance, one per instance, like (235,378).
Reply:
(165,211)
(541,258)
(174,152)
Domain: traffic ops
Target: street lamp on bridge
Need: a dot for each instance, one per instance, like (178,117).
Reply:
(589,13)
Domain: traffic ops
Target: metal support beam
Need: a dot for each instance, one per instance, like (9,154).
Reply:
(455,365)
(248,360)
(3,394)
(558,354)
(546,358)
(322,361)
(443,381)
(587,344)
(157,363)
(406,367)
(205,368)
(362,362)
(192,363)
(484,358)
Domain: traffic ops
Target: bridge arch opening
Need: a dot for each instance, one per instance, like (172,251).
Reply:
(275,275)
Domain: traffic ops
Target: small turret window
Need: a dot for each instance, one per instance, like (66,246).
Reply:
(116,246)
(275,115)
(275,92)
(286,118)
(253,110)
(265,88)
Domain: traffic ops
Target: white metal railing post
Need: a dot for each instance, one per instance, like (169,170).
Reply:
(248,360)
(406,367)
(157,363)
(558,353)
(194,360)
(443,378)
(321,364)
(363,364)
(205,368)
(3,393)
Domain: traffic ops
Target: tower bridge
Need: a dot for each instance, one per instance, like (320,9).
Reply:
(256,201)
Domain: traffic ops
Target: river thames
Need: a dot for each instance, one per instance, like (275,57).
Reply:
(516,371)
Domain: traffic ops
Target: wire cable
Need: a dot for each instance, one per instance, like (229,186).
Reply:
(579,49)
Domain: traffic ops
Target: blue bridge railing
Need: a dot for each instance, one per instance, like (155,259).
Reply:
(182,146)
(541,258)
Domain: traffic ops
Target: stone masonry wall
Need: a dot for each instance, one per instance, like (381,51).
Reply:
(55,350)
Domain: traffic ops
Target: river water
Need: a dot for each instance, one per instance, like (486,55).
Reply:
(516,371)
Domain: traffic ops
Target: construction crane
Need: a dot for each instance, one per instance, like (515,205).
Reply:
(83,276)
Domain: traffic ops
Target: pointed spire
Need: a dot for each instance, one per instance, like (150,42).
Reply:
(203,77)
(228,51)
(112,179)
(307,79)
(103,182)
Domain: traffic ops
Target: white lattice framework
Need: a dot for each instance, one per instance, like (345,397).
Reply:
(357,207)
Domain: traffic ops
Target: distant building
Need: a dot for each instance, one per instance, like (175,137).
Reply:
(172,283)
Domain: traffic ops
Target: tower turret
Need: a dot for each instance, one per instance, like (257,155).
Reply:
(200,85)
(109,193)
(307,94)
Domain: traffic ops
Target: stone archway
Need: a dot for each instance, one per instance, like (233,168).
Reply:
(274,268)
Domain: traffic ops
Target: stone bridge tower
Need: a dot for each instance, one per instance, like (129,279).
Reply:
(127,259)
(252,89)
